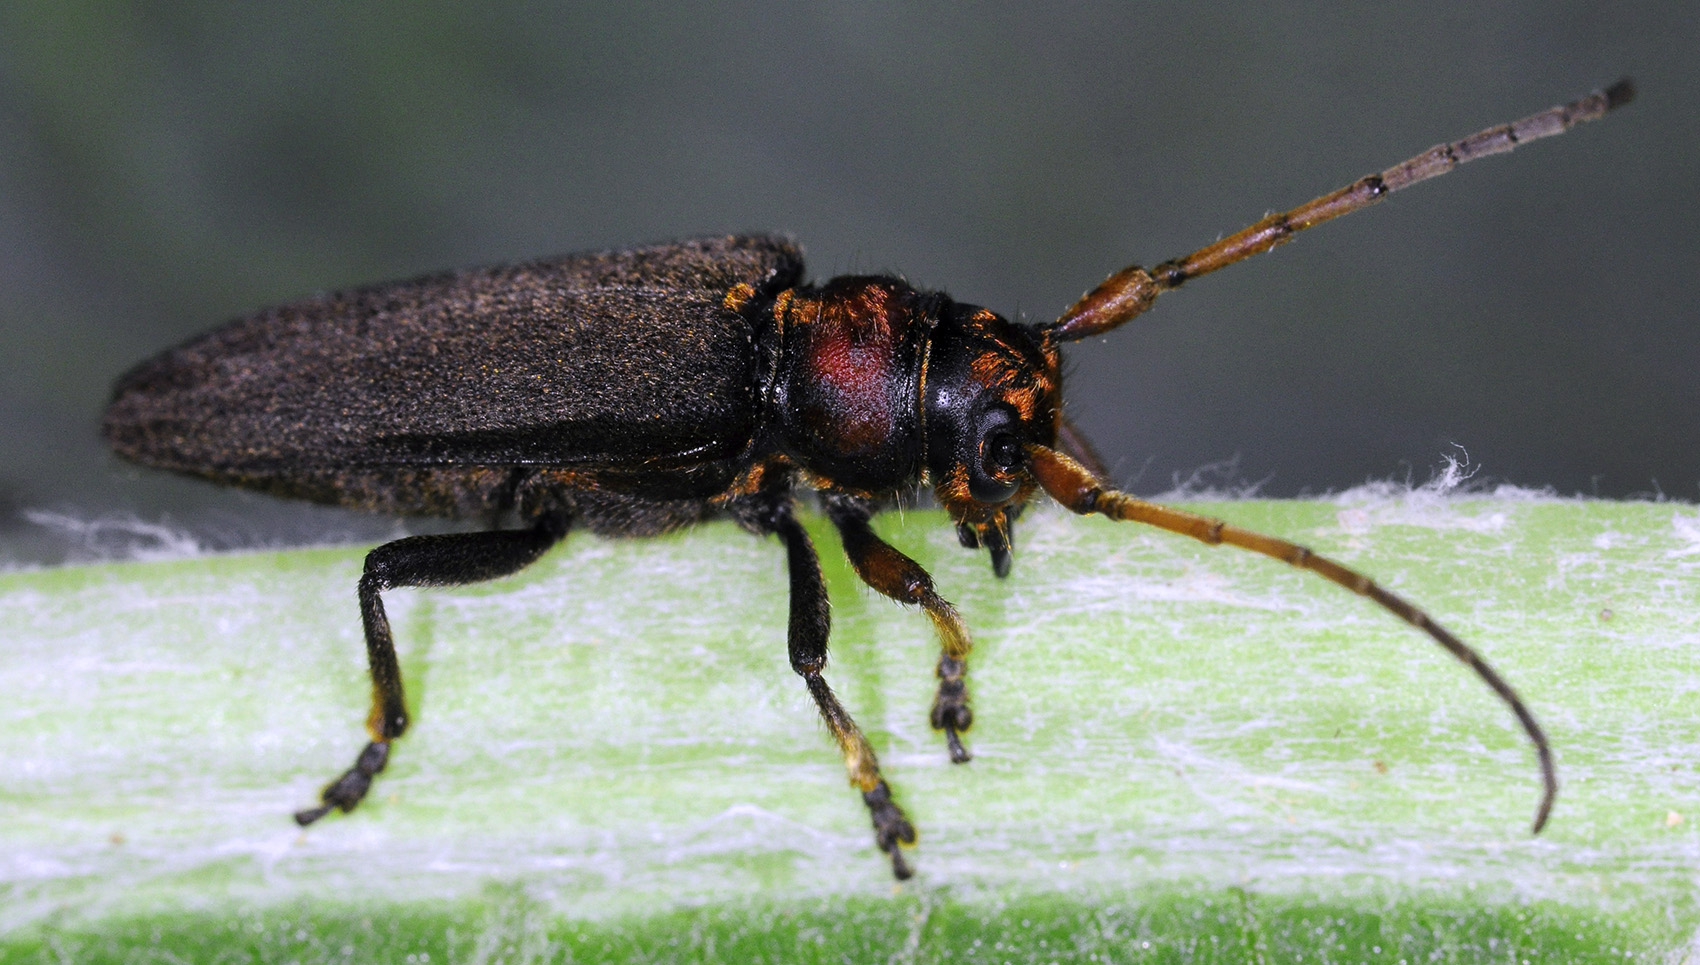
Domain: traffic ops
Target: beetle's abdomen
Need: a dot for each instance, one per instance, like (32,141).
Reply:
(622,364)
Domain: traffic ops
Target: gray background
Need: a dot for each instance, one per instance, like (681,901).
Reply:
(166,166)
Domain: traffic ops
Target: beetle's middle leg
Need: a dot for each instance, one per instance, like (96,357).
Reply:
(810,624)
(902,579)
(450,559)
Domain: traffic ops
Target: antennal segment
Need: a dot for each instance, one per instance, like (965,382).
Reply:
(1131,291)
(1072,485)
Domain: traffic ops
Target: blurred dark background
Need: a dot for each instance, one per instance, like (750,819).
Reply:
(165,166)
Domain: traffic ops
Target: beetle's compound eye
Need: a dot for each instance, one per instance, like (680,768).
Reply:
(992,477)
(1003,453)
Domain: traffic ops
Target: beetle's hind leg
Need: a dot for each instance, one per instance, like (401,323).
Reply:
(902,579)
(810,625)
(451,559)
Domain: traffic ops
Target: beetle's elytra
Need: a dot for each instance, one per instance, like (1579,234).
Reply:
(633,392)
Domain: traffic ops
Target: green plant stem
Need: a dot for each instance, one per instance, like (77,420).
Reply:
(1181,753)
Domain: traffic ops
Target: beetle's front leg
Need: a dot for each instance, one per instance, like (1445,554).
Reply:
(897,576)
(811,622)
(451,559)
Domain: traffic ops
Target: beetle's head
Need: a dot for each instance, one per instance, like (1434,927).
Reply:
(991,387)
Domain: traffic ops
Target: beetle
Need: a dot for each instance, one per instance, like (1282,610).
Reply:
(633,392)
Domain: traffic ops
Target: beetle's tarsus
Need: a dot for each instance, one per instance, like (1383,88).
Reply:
(958,753)
(892,830)
(348,790)
(307,816)
(951,712)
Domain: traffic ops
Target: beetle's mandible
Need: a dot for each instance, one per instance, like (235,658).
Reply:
(633,392)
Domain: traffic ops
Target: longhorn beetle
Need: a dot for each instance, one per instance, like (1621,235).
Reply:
(634,392)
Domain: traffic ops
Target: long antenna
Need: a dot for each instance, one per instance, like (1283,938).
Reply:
(1074,486)
(1129,292)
